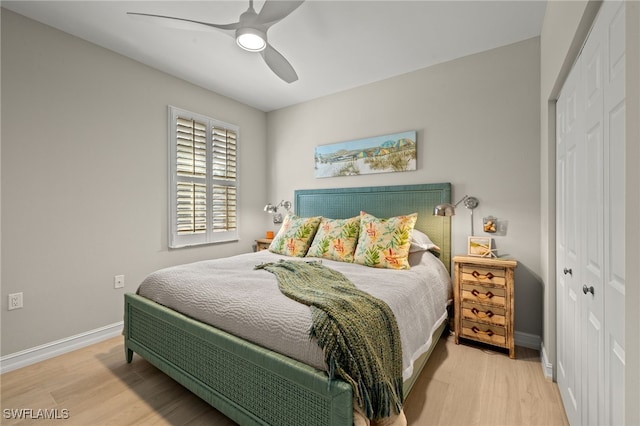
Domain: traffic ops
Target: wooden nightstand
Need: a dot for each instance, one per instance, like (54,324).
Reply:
(483,300)
(263,243)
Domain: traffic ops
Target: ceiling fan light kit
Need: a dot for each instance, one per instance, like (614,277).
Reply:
(251,39)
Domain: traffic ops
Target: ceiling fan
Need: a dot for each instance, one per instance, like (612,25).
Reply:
(250,31)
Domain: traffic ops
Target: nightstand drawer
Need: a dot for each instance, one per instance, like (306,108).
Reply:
(483,275)
(263,243)
(486,295)
(484,332)
(483,313)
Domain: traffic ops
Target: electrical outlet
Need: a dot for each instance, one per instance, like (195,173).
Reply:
(118,281)
(15,301)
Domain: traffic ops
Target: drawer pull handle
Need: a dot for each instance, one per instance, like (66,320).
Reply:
(479,314)
(477,294)
(477,275)
(478,331)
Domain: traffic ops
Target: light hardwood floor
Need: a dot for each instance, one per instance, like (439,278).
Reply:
(461,385)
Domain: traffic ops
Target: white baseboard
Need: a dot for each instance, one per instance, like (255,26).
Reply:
(547,367)
(534,342)
(527,340)
(49,350)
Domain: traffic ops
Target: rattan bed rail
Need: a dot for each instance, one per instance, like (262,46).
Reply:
(249,384)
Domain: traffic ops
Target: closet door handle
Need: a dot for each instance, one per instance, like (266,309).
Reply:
(590,289)
(568,271)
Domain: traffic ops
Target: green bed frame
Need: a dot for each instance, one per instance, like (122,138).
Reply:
(255,386)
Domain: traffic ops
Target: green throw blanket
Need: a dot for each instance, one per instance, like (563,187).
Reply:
(357,332)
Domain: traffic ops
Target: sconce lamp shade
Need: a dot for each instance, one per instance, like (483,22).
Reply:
(447,209)
(277,217)
(444,209)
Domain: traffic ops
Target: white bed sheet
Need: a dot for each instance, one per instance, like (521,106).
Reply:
(230,295)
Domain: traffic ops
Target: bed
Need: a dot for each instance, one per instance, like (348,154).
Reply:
(249,383)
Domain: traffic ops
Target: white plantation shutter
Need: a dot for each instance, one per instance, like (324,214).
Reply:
(191,208)
(203,171)
(223,169)
(224,208)
(224,154)
(191,141)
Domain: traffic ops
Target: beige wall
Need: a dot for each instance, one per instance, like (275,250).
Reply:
(565,29)
(478,128)
(84,179)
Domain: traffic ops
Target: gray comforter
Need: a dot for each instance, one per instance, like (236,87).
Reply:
(230,295)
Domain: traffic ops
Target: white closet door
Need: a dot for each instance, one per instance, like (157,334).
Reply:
(592,189)
(568,229)
(590,226)
(614,202)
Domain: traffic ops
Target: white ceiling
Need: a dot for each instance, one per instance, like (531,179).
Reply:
(333,45)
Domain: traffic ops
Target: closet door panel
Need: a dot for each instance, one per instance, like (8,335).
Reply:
(592,261)
(614,113)
(568,246)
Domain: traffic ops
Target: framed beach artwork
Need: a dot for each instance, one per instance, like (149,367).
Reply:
(480,246)
(381,154)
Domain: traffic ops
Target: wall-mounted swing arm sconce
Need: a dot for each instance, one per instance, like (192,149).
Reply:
(277,216)
(447,209)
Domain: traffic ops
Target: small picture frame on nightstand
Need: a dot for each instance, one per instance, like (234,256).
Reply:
(479,247)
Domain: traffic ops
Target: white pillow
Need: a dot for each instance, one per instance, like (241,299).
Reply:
(421,242)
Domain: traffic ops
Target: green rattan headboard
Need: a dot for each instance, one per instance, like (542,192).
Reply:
(384,201)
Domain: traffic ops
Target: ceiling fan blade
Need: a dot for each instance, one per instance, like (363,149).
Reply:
(274,10)
(278,64)
(181,23)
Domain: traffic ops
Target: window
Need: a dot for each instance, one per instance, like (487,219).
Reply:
(203,187)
